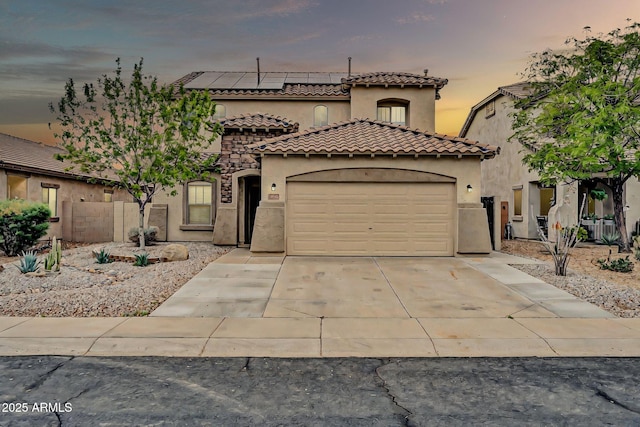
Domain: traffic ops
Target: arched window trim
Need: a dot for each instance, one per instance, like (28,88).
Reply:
(393,110)
(326,118)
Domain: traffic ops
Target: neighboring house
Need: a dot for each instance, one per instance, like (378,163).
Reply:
(29,171)
(333,164)
(519,197)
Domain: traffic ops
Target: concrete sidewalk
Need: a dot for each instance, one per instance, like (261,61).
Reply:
(248,306)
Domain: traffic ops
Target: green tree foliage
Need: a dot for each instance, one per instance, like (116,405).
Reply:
(22,223)
(147,136)
(582,120)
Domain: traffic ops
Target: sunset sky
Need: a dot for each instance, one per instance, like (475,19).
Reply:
(477,44)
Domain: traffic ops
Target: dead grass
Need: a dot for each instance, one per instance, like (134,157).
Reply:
(583,259)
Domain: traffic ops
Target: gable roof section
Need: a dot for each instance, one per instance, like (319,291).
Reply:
(368,137)
(20,154)
(516,91)
(259,121)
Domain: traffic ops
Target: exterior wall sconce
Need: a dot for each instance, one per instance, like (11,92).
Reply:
(469,188)
(273,187)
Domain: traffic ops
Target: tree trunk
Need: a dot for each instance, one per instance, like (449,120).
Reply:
(618,211)
(141,241)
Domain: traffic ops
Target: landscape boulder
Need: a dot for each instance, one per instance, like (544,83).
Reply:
(174,252)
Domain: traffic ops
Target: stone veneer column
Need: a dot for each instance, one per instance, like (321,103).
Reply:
(234,157)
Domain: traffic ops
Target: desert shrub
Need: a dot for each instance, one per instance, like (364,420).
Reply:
(621,265)
(22,223)
(150,235)
(28,262)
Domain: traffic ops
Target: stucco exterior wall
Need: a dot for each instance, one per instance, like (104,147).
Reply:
(300,111)
(276,169)
(420,113)
(466,171)
(506,172)
(70,190)
(176,218)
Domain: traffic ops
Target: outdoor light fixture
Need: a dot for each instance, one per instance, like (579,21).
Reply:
(469,188)
(273,187)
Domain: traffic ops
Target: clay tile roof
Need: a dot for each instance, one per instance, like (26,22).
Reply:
(364,136)
(24,155)
(258,121)
(395,79)
(517,90)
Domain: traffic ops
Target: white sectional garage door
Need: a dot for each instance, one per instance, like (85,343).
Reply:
(384,219)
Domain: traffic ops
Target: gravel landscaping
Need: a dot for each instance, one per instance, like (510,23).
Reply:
(84,288)
(617,293)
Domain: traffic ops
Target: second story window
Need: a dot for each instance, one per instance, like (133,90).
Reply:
(320,116)
(220,113)
(392,112)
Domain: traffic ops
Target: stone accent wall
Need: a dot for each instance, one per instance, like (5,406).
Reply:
(235,157)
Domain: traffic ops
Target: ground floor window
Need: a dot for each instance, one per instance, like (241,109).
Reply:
(517,201)
(16,187)
(50,197)
(200,203)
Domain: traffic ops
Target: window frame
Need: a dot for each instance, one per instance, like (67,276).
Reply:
(326,112)
(392,104)
(47,188)
(187,224)
(517,202)
(219,115)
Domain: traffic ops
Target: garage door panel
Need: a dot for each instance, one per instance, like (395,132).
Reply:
(370,218)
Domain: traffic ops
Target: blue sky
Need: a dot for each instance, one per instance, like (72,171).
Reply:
(477,44)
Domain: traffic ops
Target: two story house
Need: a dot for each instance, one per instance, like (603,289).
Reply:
(521,199)
(323,163)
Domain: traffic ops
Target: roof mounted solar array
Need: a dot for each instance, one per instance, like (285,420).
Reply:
(268,81)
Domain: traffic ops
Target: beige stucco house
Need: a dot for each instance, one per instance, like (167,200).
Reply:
(519,197)
(28,170)
(333,164)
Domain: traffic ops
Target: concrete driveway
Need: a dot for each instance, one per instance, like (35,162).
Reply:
(240,284)
(274,306)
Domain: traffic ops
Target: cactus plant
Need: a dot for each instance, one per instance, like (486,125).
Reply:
(54,257)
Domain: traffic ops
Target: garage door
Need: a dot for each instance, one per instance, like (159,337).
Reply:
(386,219)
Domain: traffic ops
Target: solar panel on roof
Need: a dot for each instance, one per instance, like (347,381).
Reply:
(317,78)
(226,81)
(248,81)
(271,83)
(297,77)
(204,80)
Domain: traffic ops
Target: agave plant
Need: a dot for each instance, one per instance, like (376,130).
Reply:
(102,257)
(28,262)
(142,260)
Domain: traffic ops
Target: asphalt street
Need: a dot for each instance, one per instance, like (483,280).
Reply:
(83,391)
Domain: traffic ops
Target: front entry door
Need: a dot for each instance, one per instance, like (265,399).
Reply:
(504,216)
(251,202)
